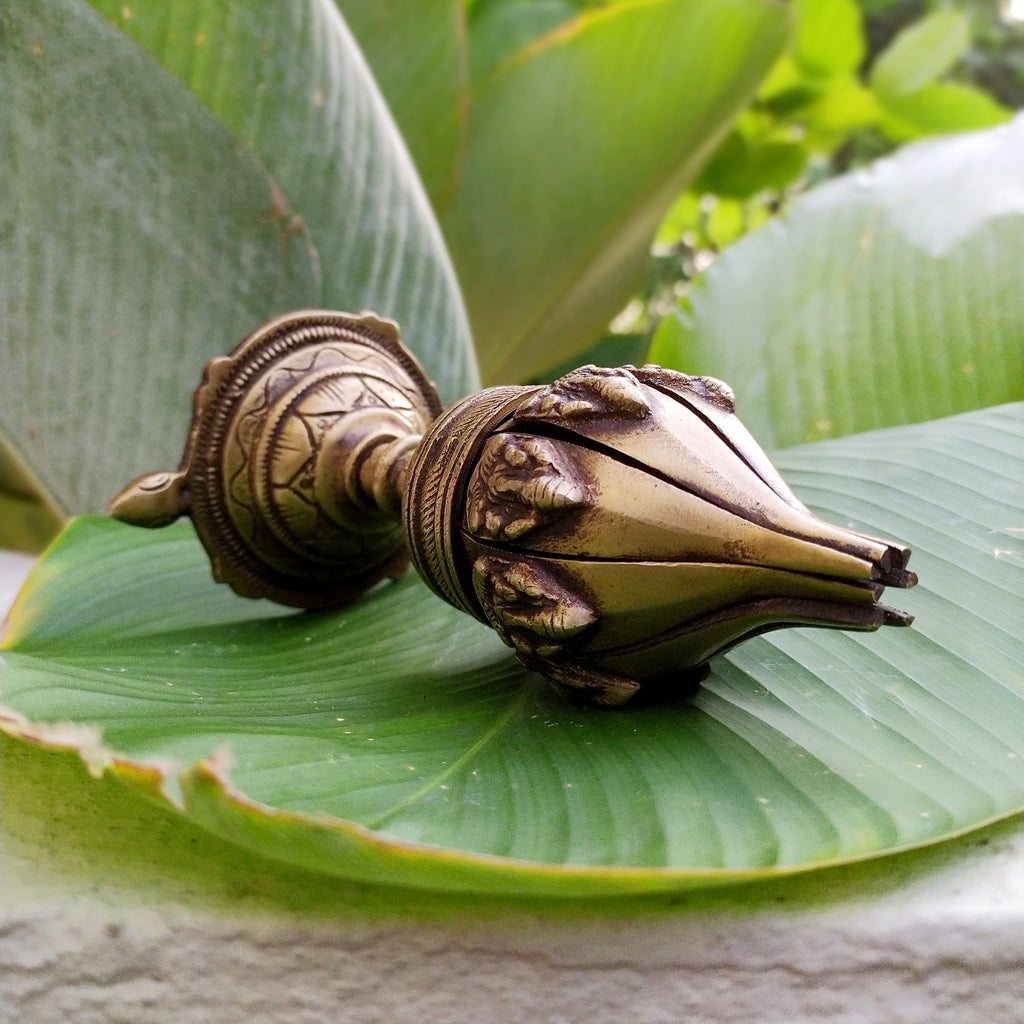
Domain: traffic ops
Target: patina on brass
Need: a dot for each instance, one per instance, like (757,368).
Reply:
(617,528)
(293,467)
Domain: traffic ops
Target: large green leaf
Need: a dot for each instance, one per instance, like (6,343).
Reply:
(290,83)
(552,136)
(418,53)
(136,234)
(397,741)
(577,144)
(151,220)
(891,295)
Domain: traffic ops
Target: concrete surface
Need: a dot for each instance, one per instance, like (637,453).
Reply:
(115,911)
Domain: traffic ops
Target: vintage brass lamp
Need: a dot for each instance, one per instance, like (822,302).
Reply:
(618,528)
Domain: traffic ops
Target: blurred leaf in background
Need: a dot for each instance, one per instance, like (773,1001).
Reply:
(166,194)
(889,295)
(579,124)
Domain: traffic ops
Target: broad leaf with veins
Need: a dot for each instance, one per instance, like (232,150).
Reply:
(397,740)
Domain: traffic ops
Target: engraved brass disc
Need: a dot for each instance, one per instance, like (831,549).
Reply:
(282,430)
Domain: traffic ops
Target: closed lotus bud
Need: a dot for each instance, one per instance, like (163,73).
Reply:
(618,528)
(621,527)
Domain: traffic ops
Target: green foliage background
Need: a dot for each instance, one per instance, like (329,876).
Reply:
(492,174)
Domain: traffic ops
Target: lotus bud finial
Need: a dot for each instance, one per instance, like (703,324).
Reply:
(618,528)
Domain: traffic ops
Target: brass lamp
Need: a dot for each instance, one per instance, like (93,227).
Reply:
(618,528)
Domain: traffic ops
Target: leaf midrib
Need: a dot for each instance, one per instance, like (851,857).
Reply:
(500,723)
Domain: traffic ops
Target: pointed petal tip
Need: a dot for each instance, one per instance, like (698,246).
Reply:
(902,578)
(891,569)
(896,617)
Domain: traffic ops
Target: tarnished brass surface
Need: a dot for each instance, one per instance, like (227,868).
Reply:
(617,528)
(620,527)
(292,471)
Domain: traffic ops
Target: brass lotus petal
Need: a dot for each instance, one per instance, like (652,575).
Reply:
(621,527)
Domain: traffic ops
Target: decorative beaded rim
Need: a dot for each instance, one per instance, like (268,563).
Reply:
(217,403)
(438,479)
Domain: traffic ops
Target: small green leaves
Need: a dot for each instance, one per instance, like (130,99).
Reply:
(921,54)
(906,79)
